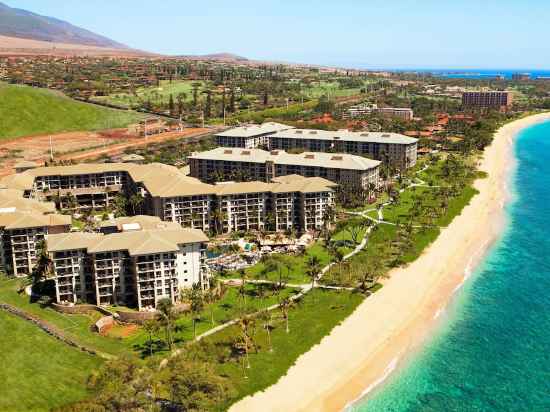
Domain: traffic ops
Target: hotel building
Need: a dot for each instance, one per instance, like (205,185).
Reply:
(395,149)
(170,195)
(249,136)
(488,99)
(256,164)
(134,261)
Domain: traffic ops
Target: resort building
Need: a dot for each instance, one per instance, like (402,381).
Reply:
(500,100)
(249,136)
(256,164)
(521,77)
(402,113)
(364,109)
(136,262)
(396,149)
(288,203)
(165,192)
(392,148)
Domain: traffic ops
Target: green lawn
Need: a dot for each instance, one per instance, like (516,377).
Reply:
(76,327)
(38,372)
(313,317)
(329,88)
(162,92)
(28,111)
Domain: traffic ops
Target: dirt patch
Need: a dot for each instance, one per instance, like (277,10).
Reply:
(119,330)
(80,146)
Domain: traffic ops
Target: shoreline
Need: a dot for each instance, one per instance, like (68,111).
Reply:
(393,323)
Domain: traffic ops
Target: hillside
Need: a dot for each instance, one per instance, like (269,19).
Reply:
(27,25)
(28,111)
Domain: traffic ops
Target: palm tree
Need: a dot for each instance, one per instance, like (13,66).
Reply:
(313,265)
(166,316)
(267,316)
(197,305)
(246,323)
(136,201)
(242,287)
(285,305)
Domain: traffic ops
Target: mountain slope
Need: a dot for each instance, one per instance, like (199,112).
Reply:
(25,24)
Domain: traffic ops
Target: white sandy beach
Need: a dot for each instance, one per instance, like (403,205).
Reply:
(368,345)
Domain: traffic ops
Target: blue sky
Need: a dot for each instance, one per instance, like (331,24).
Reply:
(369,33)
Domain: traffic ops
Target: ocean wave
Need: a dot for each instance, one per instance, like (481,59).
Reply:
(387,372)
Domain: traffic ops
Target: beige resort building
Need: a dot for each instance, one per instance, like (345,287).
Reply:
(396,149)
(136,262)
(255,164)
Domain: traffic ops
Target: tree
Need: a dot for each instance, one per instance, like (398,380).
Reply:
(121,385)
(136,201)
(313,265)
(194,385)
(242,287)
(167,316)
(246,323)
(151,327)
(43,266)
(197,305)
(120,206)
(285,305)
(171,105)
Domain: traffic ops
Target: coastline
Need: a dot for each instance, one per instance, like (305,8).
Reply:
(388,326)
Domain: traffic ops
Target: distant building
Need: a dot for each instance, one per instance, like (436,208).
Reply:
(256,164)
(487,99)
(520,77)
(249,136)
(402,113)
(393,148)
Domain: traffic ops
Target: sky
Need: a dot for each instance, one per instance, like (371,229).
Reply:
(491,34)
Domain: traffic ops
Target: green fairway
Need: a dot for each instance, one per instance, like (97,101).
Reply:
(28,111)
(154,94)
(39,372)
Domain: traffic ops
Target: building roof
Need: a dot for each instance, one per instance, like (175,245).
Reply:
(72,241)
(139,222)
(135,242)
(13,200)
(160,180)
(317,159)
(254,130)
(27,220)
(297,183)
(346,135)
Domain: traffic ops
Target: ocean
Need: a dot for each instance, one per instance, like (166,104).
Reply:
(492,351)
(477,74)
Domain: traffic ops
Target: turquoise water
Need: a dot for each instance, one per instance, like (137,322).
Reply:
(493,351)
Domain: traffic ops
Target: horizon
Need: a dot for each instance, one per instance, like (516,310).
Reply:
(416,38)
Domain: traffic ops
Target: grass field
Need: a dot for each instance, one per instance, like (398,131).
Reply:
(163,92)
(329,88)
(38,372)
(314,316)
(26,111)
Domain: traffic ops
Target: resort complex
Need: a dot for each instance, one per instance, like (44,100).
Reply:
(391,148)
(257,164)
